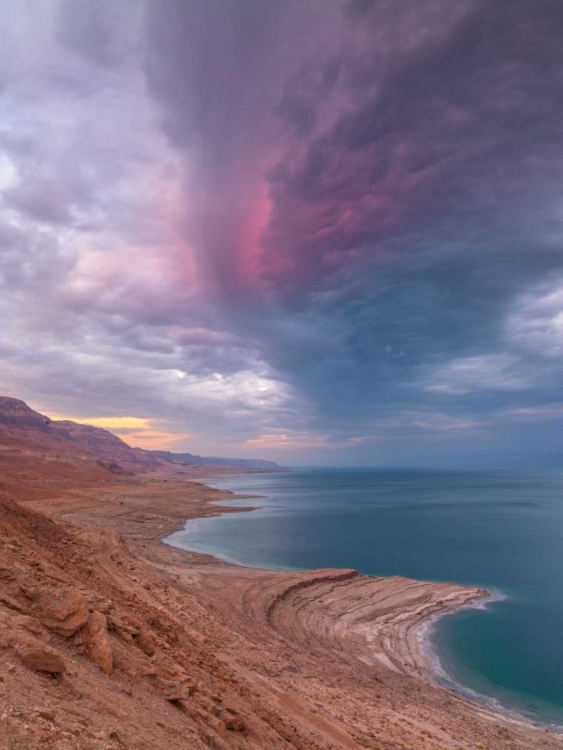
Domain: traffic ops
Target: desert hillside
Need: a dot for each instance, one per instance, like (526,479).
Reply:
(22,428)
(110,639)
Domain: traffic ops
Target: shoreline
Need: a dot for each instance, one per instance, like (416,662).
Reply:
(422,631)
(230,657)
(428,663)
(448,681)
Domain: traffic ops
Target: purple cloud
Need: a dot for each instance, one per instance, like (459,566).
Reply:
(323,227)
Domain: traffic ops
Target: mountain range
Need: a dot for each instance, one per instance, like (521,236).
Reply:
(22,429)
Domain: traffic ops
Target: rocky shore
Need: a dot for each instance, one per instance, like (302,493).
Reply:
(111,639)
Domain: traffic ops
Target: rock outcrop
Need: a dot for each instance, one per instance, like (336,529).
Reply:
(39,657)
(145,641)
(63,611)
(97,642)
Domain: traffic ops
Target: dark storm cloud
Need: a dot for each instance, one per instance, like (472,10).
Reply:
(209,62)
(432,190)
(217,69)
(464,127)
(333,225)
(94,30)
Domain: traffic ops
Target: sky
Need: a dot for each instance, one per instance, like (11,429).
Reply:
(314,231)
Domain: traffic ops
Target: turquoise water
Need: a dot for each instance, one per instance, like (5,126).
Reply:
(502,530)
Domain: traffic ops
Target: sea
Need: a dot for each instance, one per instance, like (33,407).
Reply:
(501,530)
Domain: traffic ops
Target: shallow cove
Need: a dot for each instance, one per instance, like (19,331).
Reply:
(499,530)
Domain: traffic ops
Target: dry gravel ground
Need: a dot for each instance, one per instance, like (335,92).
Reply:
(110,639)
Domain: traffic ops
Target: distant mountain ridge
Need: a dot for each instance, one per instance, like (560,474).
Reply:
(23,428)
(189,459)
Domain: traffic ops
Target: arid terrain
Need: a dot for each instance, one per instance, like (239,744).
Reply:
(110,639)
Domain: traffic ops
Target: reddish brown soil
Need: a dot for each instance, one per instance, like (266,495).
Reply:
(150,647)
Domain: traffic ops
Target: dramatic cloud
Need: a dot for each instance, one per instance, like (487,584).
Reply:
(317,230)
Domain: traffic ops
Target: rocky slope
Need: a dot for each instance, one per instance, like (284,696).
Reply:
(110,639)
(20,427)
(17,414)
(88,658)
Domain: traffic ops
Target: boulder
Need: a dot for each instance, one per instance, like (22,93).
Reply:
(41,658)
(97,642)
(146,642)
(124,625)
(234,723)
(192,686)
(174,691)
(63,611)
